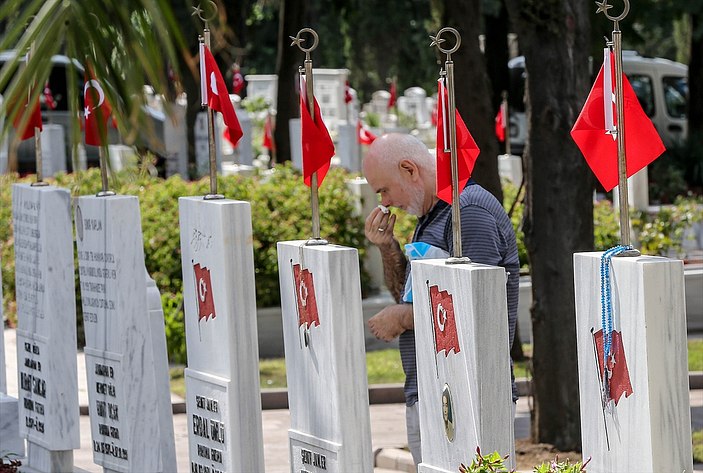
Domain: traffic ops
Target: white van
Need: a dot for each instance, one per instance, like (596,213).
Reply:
(661,86)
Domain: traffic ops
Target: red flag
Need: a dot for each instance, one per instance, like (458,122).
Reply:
(318,148)
(643,144)
(444,321)
(96,111)
(237,81)
(203,293)
(33,122)
(49,97)
(347,93)
(218,98)
(619,381)
(392,98)
(467,150)
(364,135)
(305,297)
(269,143)
(500,124)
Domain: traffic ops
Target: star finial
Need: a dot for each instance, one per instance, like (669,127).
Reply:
(603,7)
(436,41)
(296,41)
(197,11)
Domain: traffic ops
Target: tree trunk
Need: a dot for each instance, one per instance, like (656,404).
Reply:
(291,20)
(473,91)
(695,77)
(554,36)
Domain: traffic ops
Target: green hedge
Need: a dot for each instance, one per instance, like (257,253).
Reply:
(280,211)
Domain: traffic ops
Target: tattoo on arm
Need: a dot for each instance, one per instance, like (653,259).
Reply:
(394,265)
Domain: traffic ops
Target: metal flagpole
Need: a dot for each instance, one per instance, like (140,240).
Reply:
(310,102)
(620,128)
(506,121)
(37,136)
(451,112)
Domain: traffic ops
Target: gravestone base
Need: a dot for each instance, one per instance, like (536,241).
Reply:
(42,460)
(646,424)
(9,426)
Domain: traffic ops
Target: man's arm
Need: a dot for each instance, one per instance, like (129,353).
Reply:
(392,321)
(379,231)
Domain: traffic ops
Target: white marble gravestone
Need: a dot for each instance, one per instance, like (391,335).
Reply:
(46,326)
(202,150)
(510,167)
(413,103)
(53,147)
(263,85)
(9,409)
(222,379)
(243,153)
(176,141)
(463,355)
(323,335)
(348,148)
(296,143)
(649,429)
(125,376)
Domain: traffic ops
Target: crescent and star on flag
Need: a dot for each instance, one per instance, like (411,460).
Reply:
(92,83)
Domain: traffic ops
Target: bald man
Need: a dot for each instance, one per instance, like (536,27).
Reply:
(403,172)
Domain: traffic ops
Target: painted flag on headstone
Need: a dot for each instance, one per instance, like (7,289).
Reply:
(364,135)
(467,150)
(49,97)
(305,297)
(598,144)
(217,98)
(393,92)
(619,381)
(444,321)
(500,123)
(318,148)
(34,120)
(268,141)
(203,292)
(96,111)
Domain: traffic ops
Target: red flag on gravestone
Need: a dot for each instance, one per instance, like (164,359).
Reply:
(268,142)
(218,98)
(347,93)
(619,382)
(237,81)
(97,110)
(305,297)
(49,97)
(363,134)
(467,150)
(203,292)
(318,148)
(444,321)
(643,144)
(33,122)
(393,91)
(500,124)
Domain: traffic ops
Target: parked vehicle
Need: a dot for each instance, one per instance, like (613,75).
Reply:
(661,86)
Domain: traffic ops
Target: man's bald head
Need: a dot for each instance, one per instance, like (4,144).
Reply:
(387,151)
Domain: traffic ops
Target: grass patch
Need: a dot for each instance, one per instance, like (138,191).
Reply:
(695,355)
(698,446)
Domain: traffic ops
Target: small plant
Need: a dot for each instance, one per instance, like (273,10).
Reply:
(491,463)
(555,466)
(664,234)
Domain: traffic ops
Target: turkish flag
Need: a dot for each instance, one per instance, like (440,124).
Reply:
(318,148)
(467,151)
(237,82)
(643,144)
(347,93)
(500,124)
(33,122)
(218,98)
(305,297)
(49,97)
(364,135)
(268,141)
(203,292)
(619,381)
(97,111)
(392,98)
(444,321)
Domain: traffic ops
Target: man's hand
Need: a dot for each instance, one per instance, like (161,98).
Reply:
(392,321)
(379,228)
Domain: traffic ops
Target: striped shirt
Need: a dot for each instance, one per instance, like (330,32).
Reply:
(487,237)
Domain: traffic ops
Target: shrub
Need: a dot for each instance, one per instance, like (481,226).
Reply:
(663,234)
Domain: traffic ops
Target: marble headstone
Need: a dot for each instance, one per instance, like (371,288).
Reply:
(645,426)
(46,326)
(323,335)
(53,147)
(463,363)
(243,153)
(9,409)
(348,148)
(202,149)
(510,168)
(296,143)
(176,141)
(124,374)
(222,379)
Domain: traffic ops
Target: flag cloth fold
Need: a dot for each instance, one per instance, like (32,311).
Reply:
(363,134)
(467,151)
(218,98)
(34,120)
(318,148)
(268,142)
(444,321)
(500,124)
(643,144)
(96,111)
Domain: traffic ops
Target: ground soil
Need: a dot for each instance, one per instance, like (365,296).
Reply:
(528,454)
